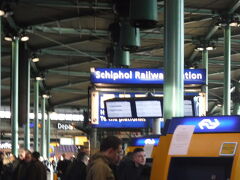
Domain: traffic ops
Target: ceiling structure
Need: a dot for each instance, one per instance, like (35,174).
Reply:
(71,36)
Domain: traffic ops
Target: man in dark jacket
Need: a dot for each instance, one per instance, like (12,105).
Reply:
(133,169)
(24,166)
(99,167)
(62,166)
(37,171)
(78,168)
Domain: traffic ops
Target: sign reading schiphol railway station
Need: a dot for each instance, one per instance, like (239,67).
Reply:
(209,124)
(142,76)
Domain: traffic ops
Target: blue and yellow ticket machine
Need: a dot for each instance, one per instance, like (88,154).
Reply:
(213,152)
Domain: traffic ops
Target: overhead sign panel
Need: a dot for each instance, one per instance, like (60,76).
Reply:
(99,119)
(210,124)
(142,76)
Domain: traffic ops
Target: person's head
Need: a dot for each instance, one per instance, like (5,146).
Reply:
(82,156)
(64,156)
(112,148)
(28,156)
(139,156)
(22,154)
(35,155)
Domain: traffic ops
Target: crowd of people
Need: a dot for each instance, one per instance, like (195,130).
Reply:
(107,164)
(26,167)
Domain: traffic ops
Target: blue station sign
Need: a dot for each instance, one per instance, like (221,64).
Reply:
(144,141)
(142,76)
(210,124)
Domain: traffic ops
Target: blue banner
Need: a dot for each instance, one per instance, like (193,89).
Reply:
(210,124)
(142,76)
(142,141)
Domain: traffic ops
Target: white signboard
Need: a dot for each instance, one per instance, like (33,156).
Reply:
(181,140)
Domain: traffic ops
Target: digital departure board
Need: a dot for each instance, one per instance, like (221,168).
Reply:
(148,108)
(118,109)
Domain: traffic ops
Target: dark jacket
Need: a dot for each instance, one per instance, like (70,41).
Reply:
(127,170)
(37,171)
(62,167)
(99,168)
(23,170)
(76,171)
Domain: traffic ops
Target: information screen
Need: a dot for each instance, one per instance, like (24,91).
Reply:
(118,109)
(148,108)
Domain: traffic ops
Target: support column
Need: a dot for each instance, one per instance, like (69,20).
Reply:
(43,134)
(93,141)
(227,71)
(174,59)
(14,95)
(205,66)
(0,64)
(236,99)
(36,108)
(236,108)
(27,124)
(157,126)
(48,134)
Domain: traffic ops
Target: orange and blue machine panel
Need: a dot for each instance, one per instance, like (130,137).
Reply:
(213,153)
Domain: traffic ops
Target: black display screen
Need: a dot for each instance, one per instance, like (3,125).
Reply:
(200,168)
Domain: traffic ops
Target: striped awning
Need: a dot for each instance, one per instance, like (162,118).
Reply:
(66,148)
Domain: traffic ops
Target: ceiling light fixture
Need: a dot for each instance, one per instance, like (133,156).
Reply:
(46,96)
(2,12)
(205,46)
(39,78)
(24,37)
(35,58)
(8,37)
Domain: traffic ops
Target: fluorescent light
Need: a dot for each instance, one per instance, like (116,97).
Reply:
(233,24)
(24,38)
(39,78)
(45,96)
(209,48)
(2,12)
(200,48)
(8,38)
(35,59)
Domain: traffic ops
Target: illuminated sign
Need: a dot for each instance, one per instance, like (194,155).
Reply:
(62,126)
(143,141)
(210,124)
(142,76)
(6,145)
(66,141)
(80,140)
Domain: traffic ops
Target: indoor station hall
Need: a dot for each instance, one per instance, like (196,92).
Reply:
(119,90)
